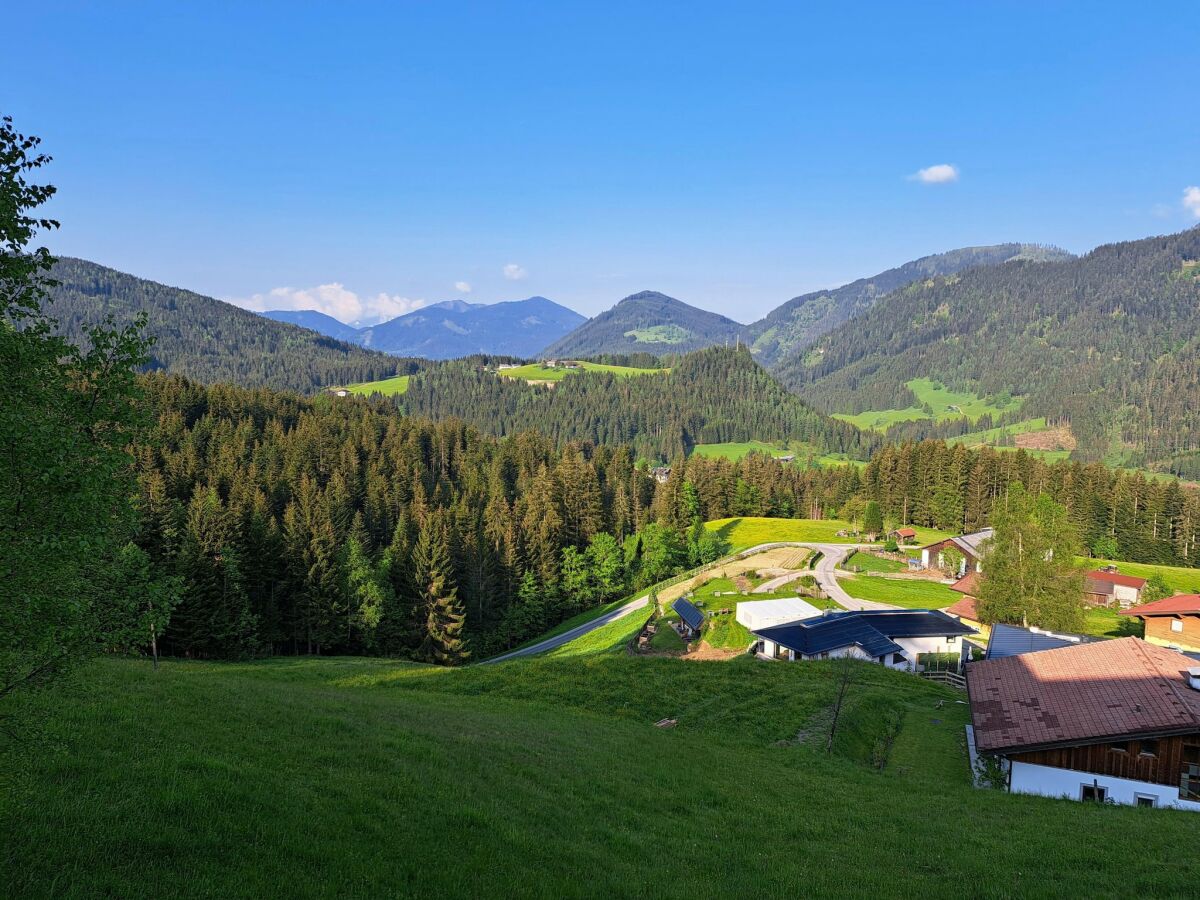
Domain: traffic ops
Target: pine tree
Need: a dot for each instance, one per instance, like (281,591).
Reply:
(442,642)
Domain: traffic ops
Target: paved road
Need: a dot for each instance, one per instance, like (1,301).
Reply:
(567,636)
(833,555)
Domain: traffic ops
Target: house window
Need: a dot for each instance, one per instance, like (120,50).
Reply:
(1146,800)
(1093,793)
(1148,748)
(951,640)
(1119,747)
(1177,625)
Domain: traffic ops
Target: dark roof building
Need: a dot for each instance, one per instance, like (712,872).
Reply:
(896,637)
(1013,640)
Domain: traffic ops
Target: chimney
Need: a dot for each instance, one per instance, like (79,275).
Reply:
(1193,678)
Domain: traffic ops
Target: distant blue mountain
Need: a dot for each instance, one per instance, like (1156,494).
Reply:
(316,321)
(455,328)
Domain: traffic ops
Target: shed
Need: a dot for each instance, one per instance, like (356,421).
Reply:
(690,614)
(755,614)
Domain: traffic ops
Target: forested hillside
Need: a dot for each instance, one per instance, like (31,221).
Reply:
(647,322)
(339,525)
(796,324)
(207,339)
(1108,343)
(709,396)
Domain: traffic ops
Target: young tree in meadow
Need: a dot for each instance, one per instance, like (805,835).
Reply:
(1030,576)
(66,419)
(143,601)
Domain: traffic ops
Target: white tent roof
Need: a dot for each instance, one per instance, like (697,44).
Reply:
(763,613)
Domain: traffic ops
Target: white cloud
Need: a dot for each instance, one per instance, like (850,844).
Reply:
(513,272)
(1191,200)
(942,173)
(333,300)
(463,287)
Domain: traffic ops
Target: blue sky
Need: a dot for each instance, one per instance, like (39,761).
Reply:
(731,155)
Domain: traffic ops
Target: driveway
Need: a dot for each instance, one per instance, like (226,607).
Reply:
(566,637)
(833,556)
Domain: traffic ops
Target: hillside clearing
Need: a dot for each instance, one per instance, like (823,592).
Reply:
(399,780)
(934,402)
(389,387)
(748,531)
(538,372)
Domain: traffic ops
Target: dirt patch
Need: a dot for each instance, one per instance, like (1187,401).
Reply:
(1059,438)
(703,652)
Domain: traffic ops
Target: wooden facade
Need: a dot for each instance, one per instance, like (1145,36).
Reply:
(1166,762)
(1158,631)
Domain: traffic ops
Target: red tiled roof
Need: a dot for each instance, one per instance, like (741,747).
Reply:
(964,609)
(968,584)
(906,532)
(1081,694)
(1116,578)
(1171,606)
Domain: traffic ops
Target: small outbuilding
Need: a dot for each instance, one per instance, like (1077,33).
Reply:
(691,616)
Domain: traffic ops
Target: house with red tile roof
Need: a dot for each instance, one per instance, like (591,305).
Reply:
(903,535)
(1172,622)
(1103,587)
(1115,721)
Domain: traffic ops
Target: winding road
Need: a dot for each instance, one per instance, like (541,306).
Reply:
(832,555)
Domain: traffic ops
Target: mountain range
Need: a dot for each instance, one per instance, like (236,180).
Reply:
(452,329)
(647,321)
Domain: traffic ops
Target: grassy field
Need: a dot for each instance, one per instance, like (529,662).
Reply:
(906,592)
(1181,580)
(323,777)
(387,386)
(748,531)
(659,334)
(539,372)
(869,562)
(995,435)
(944,404)
(736,450)
(1103,622)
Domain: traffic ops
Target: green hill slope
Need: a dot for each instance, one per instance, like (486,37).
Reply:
(649,322)
(330,776)
(796,324)
(1107,343)
(209,340)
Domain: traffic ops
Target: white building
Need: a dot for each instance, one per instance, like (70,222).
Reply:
(900,639)
(756,614)
(1108,721)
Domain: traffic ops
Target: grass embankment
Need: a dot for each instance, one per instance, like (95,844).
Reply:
(909,593)
(934,402)
(869,562)
(749,531)
(534,778)
(541,372)
(389,387)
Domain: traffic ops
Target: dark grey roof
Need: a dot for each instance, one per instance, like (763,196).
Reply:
(691,614)
(1012,640)
(872,630)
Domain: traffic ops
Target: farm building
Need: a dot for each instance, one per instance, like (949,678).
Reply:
(691,616)
(1013,640)
(1103,587)
(898,638)
(903,535)
(1111,721)
(1173,622)
(969,546)
(755,614)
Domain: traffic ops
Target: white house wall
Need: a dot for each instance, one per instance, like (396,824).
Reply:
(915,646)
(1049,781)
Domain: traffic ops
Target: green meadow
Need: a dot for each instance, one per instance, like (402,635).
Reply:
(748,531)
(540,372)
(398,384)
(909,593)
(942,404)
(543,778)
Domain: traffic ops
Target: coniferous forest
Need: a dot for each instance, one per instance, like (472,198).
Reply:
(340,525)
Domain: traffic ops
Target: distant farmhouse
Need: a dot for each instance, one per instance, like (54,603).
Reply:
(903,535)
(898,639)
(1173,622)
(1110,721)
(969,545)
(1105,586)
